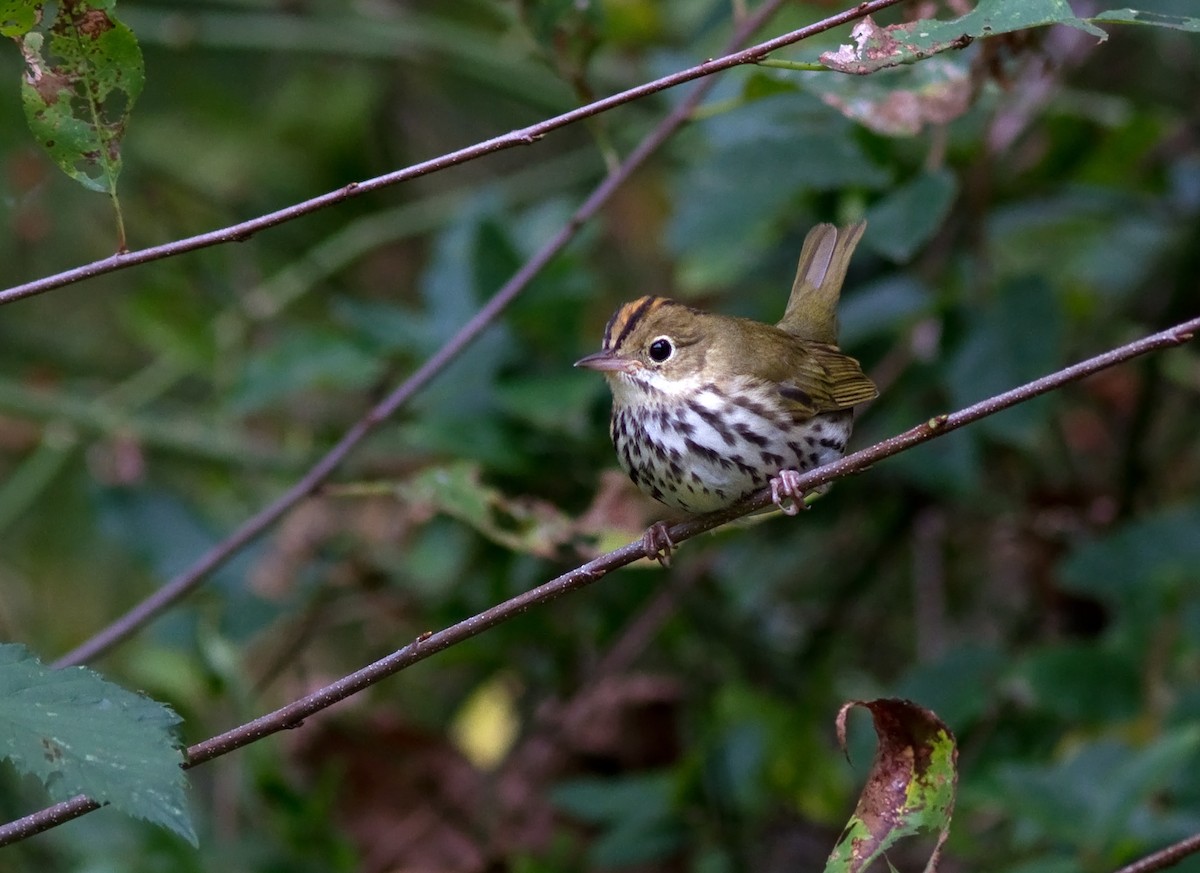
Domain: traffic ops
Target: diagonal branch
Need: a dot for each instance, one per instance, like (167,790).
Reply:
(179,586)
(293,714)
(1164,858)
(524,136)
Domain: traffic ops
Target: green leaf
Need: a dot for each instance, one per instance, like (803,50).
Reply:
(552,20)
(636,813)
(17,17)
(82,77)
(1100,794)
(763,158)
(384,325)
(879,47)
(959,686)
(160,529)
(1083,683)
(1014,339)
(305,358)
(638,841)
(910,788)
(882,307)
(906,218)
(604,801)
(80,734)
(1096,231)
(1188,23)
(1154,556)
(521,524)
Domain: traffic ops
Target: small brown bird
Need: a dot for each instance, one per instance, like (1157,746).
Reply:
(707,408)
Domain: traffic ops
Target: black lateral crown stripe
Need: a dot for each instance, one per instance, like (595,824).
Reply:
(627,317)
(624,319)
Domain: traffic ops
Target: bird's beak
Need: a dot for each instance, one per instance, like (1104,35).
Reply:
(608,362)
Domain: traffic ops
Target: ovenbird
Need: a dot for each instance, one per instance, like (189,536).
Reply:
(707,408)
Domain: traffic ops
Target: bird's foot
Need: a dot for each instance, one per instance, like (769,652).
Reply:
(786,492)
(657,543)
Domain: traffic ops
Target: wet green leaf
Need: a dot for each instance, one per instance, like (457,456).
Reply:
(80,734)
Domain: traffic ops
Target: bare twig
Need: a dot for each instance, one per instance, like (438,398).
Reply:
(293,714)
(1164,858)
(524,136)
(255,526)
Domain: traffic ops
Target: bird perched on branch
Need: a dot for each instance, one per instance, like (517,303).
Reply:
(708,408)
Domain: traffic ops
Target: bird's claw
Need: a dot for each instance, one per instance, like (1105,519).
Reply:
(786,492)
(657,543)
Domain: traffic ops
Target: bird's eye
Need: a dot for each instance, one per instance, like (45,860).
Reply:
(661,349)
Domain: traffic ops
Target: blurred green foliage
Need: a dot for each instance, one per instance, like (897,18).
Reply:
(1034,579)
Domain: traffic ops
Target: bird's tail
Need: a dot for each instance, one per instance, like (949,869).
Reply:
(812,308)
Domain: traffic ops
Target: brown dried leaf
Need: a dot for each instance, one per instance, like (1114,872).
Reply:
(910,788)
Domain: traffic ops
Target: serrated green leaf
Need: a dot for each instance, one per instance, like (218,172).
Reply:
(82,76)
(81,734)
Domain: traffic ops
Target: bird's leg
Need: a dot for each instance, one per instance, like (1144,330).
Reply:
(657,543)
(786,492)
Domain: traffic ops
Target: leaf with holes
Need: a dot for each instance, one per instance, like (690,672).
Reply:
(910,788)
(81,734)
(17,17)
(83,74)
(878,47)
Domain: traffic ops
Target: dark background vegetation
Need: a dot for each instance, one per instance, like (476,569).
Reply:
(1034,578)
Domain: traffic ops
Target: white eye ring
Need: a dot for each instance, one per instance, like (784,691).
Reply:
(661,349)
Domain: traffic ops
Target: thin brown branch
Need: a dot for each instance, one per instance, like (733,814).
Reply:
(1164,858)
(293,714)
(524,136)
(179,586)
